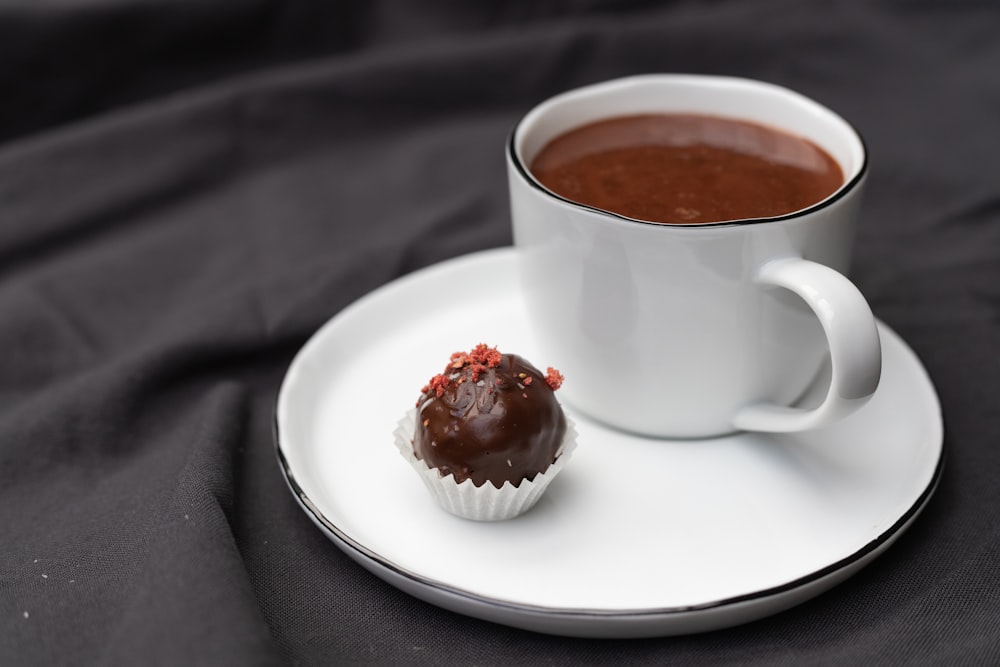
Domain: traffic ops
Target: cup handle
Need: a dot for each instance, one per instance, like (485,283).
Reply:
(855,348)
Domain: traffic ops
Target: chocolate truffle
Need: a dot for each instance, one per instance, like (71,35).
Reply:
(490,417)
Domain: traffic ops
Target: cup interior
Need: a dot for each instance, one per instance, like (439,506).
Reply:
(741,99)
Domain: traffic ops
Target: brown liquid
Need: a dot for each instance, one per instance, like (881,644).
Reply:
(684,168)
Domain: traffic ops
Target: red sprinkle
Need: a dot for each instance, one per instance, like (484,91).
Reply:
(485,355)
(553,378)
(479,359)
(437,385)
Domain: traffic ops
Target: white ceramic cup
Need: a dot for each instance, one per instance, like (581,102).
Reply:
(695,330)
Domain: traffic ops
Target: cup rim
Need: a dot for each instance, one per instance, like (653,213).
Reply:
(522,170)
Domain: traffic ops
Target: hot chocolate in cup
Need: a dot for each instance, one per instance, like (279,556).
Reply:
(682,243)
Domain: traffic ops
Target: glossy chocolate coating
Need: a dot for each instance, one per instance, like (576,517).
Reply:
(495,428)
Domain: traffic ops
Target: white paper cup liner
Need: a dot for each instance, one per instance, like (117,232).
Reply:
(486,502)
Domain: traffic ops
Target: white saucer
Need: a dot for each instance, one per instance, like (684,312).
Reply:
(637,537)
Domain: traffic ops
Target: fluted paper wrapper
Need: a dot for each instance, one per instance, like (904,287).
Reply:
(486,502)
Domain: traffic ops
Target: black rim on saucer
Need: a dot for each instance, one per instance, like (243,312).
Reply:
(349,545)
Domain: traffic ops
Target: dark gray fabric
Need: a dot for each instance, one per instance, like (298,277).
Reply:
(188,190)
